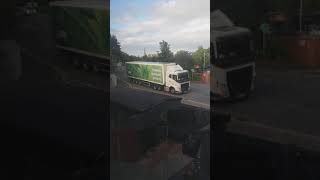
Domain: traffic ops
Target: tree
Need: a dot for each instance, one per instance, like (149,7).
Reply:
(183,58)
(115,49)
(165,54)
(201,57)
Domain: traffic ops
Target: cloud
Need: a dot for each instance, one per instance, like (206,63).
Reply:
(184,24)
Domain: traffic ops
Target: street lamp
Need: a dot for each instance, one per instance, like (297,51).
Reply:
(300,16)
(204,60)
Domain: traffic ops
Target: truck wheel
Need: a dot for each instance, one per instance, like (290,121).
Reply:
(159,88)
(172,90)
(155,87)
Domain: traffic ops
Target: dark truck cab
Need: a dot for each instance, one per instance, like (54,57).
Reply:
(233,60)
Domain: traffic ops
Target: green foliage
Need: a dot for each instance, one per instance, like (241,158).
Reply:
(196,77)
(151,58)
(115,48)
(201,56)
(183,58)
(126,57)
(165,54)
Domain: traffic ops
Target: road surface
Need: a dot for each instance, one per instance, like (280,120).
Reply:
(199,94)
(286,98)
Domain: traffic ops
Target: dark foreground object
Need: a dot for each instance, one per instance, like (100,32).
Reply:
(50,130)
(250,151)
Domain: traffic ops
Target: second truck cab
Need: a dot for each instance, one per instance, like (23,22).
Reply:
(233,60)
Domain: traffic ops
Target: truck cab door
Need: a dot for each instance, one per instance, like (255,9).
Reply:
(170,81)
(173,82)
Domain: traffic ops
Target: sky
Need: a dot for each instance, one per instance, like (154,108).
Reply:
(139,24)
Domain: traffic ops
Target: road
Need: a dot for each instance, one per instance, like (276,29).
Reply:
(199,94)
(286,98)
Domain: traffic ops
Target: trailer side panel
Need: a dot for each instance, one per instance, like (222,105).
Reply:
(83,29)
(146,72)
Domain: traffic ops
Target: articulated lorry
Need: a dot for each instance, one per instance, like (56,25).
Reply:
(159,75)
(233,60)
(82,32)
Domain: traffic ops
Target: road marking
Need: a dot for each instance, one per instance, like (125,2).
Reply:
(184,100)
(150,90)
(276,135)
(194,103)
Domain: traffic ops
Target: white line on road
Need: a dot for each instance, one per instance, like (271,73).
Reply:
(184,100)
(194,103)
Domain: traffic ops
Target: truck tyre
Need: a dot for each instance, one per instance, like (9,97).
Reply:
(155,87)
(172,90)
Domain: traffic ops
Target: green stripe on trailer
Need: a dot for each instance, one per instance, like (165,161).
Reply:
(82,26)
(147,72)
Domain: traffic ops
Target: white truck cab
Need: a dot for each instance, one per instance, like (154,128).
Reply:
(177,80)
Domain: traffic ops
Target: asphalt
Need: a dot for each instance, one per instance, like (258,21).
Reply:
(286,97)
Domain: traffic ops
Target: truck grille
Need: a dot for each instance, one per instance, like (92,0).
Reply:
(185,87)
(239,81)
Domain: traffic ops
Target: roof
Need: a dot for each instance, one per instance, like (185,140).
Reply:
(146,62)
(95,4)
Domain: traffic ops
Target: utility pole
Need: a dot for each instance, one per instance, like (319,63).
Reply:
(204,61)
(300,16)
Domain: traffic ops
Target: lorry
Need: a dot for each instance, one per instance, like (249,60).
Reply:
(164,76)
(82,31)
(233,60)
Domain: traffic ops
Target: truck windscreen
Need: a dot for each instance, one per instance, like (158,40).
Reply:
(183,77)
(233,47)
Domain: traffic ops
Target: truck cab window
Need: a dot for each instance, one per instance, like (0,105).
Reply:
(174,77)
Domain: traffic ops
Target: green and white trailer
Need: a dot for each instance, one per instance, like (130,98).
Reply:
(159,75)
(82,30)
